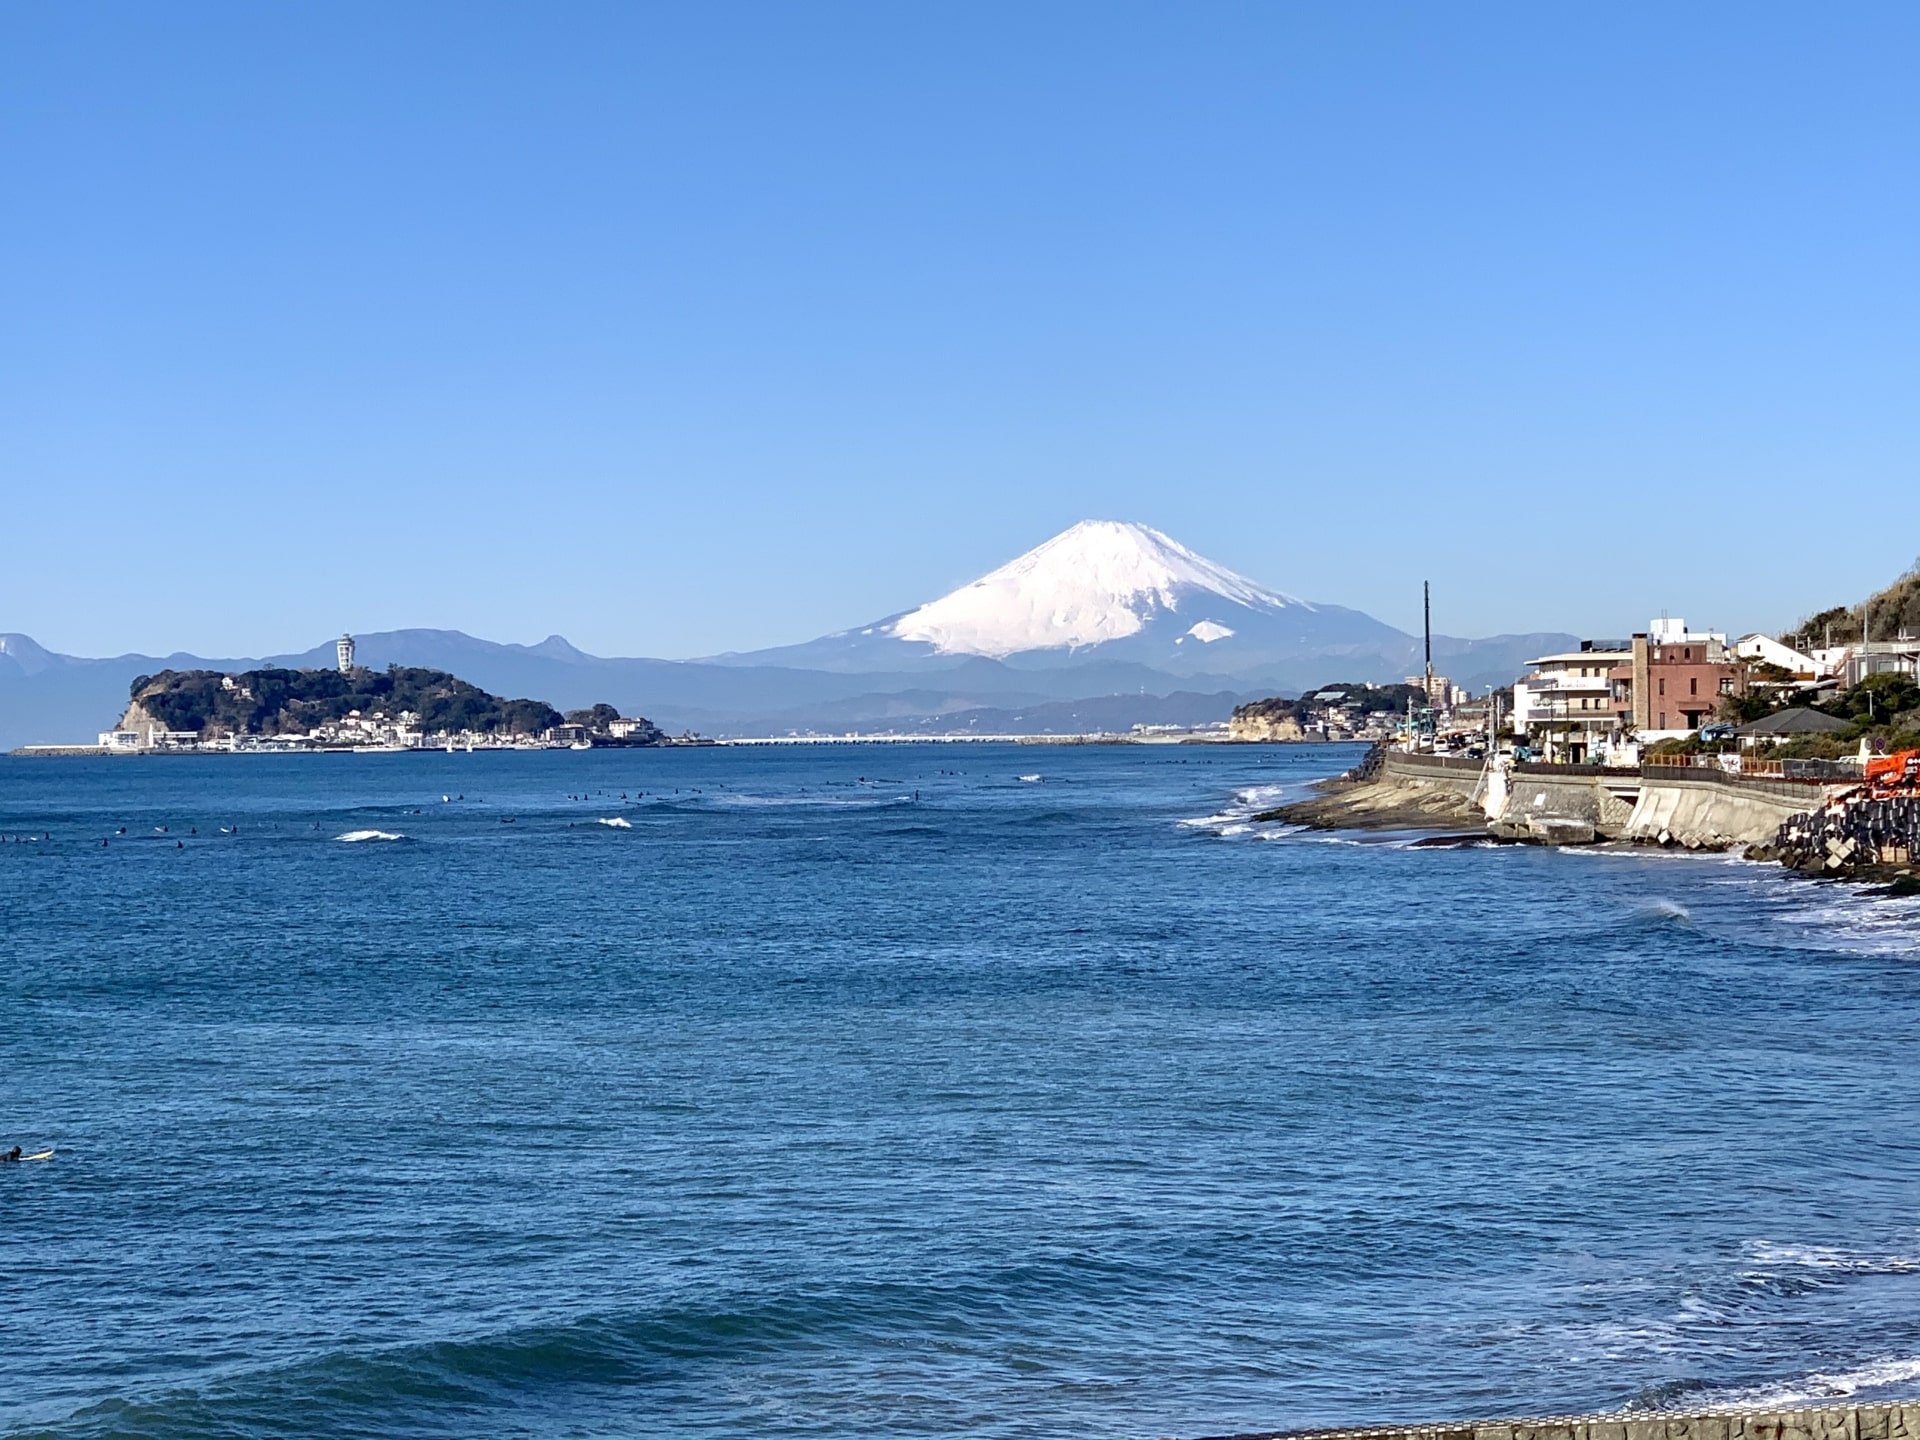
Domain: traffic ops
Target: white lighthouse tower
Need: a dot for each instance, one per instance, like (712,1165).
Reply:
(343,647)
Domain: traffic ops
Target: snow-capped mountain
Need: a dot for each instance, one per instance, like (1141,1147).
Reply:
(1105,590)
(1102,580)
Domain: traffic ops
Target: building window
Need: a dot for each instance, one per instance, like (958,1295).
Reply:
(1726,684)
(1693,685)
(1663,690)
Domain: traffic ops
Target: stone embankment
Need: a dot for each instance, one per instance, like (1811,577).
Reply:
(1861,839)
(1893,1420)
(1695,808)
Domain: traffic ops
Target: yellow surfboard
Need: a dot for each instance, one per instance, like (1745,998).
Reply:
(42,1155)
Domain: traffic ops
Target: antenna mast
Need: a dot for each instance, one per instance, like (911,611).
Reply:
(1426,610)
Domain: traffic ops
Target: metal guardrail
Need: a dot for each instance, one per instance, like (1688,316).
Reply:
(1543,767)
(1440,764)
(1807,792)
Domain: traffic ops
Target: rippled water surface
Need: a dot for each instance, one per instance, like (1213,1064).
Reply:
(883,1091)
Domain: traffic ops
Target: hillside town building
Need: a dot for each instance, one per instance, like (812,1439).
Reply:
(1675,680)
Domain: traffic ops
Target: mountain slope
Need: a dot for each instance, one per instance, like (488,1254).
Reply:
(1107,591)
(1098,582)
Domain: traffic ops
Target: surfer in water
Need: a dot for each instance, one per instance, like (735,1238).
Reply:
(11,1155)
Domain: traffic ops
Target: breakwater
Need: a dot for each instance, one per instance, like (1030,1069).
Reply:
(1893,1420)
(1851,836)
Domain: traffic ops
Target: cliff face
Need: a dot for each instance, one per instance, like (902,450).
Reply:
(140,719)
(1264,720)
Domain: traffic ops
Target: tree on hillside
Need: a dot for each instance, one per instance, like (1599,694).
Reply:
(1882,615)
(598,718)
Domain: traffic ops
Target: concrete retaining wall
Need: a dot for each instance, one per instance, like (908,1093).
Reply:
(1570,810)
(1697,808)
(1439,772)
(1705,811)
(1895,1420)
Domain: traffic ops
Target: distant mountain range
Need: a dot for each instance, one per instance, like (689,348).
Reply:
(1104,626)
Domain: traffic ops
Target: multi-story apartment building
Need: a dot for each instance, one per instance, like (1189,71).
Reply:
(1674,680)
(1565,705)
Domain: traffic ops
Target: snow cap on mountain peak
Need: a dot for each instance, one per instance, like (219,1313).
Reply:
(1100,580)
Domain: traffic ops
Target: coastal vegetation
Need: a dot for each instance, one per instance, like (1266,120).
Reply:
(1883,709)
(1350,697)
(1881,616)
(604,726)
(274,701)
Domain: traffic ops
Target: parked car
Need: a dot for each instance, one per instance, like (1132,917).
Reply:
(1714,734)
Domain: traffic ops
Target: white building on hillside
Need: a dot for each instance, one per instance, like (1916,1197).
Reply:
(1769,651)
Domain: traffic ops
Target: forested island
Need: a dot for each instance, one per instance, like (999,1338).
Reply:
(1339,710)
(401,707)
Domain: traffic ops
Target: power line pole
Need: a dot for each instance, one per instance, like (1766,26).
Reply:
(1426,613)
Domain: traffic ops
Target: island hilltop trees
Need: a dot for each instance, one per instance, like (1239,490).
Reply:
(274,701)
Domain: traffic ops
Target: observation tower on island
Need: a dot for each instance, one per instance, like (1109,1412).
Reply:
(343,647)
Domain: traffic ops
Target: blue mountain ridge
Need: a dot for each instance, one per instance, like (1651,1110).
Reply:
(51,698)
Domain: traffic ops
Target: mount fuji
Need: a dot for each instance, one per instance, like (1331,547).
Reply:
(1109,591)
(1106,625)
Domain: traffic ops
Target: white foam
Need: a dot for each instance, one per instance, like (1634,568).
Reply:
(353,837)
(1232,819)
(1820,1385)
(1827,1257)
(616,822)
(1030,779)
(1666,910)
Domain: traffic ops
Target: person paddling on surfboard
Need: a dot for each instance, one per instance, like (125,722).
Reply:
(13,1154)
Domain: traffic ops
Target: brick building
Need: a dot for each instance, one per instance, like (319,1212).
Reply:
(1675,680)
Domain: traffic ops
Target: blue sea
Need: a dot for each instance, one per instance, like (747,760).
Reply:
(931,1090)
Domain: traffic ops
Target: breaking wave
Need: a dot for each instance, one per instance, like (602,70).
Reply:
(1807,1389)
(616,822)
(354,837)
(1664,912)
(1236,817)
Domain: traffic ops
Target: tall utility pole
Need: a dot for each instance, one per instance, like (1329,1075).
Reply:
(1426,609)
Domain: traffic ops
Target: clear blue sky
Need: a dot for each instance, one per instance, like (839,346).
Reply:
(685,328)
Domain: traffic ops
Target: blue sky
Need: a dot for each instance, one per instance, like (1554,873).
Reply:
(692,328)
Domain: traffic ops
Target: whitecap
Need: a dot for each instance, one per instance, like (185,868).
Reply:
(1666,910)
(1827,1257)
(355,836)
(1820,1385)
(616,822)
(1030,779)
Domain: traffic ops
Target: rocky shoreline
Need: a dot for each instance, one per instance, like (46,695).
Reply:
(1348,804)
(1822,832)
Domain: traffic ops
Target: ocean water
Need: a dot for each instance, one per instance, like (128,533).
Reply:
(916,1091)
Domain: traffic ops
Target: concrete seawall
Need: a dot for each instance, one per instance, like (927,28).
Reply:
(1564,804)
(1893,1420)
(1707,811)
